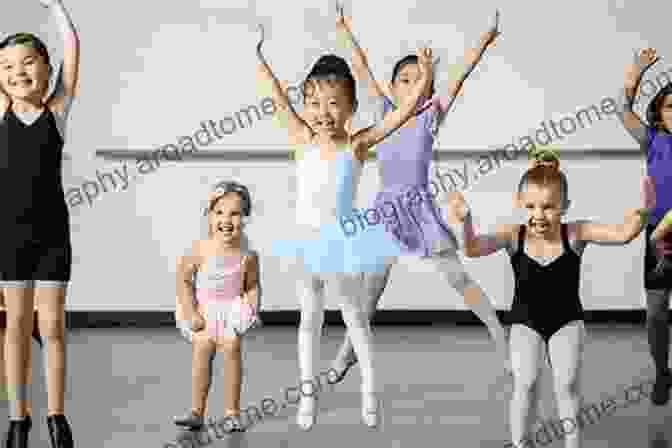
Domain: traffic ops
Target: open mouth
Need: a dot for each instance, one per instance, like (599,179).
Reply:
(226,229)
(21,83)
(324,124)
(538,225)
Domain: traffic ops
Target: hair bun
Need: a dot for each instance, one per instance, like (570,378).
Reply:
(330,64)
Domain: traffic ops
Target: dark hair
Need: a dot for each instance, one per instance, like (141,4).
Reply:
(234,187)
(544,176)
(653,112)
(27,40)
(403,62)
(333,68)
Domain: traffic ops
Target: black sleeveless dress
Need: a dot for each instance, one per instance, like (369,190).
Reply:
(34,223)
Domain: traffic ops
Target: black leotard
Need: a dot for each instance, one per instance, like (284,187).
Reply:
(34,223)
(546,297)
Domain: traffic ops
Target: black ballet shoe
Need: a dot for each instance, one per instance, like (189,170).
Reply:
(17,434)
(60,433)
(661,389)
(342,373)
(236,426)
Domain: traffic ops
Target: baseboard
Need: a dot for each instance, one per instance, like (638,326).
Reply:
(157,319)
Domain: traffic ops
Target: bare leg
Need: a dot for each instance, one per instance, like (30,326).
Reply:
(566,350)
(19,302)
(201,370)
(230,348)
(51,308)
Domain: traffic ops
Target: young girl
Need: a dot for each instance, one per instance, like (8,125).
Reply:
(546,253)
(35,259)
(328,170)
(221,304)
(404,172)
(655,141)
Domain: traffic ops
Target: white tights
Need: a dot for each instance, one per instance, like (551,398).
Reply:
(348,288)
(565,349)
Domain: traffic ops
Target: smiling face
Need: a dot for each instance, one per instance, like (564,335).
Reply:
(328,106)
(24,73)
(225,218)
(544,205)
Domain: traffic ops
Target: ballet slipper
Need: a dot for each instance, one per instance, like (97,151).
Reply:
(60,433)
(17,433)
(341,373)
(306,417)
(190,420)
(371,415)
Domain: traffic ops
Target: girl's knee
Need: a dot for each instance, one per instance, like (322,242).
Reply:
(52,329)
(656,314)
(568,386)
(229,346)
(525,382)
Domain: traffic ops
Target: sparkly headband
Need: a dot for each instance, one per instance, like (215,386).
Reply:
(224,189)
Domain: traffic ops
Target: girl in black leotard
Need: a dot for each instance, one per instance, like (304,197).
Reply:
(35,254)
(546,253)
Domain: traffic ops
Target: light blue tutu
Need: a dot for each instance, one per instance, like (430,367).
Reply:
(331,250)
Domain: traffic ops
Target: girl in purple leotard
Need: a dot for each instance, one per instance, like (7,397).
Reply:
(655,140)
(404,171)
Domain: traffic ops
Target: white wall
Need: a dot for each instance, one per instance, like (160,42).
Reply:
(153,70)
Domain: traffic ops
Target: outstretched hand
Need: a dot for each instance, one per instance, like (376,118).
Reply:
(261,39)
(425,60)
(342,22)
(642,60)
(49,3)
(493,32)
(456,207)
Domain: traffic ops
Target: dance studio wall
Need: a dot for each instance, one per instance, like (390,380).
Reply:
(147,81)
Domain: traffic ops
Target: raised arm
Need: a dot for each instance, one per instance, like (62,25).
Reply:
(634,72)
(299,131)
(476,245)
(68,75)
(393,120)
(472,57)
(360,63)
(623,233)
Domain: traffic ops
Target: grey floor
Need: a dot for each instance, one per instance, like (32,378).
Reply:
(441,387)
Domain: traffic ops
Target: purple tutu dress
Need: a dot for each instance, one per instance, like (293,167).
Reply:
(404,157)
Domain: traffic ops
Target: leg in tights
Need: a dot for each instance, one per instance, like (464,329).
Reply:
(51,308)
(565,349)
(311,298)
(374,286)
(452,270)
(526,357)
(657,312)
(203,352)
(19,302)
(230,349)
(349,290)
